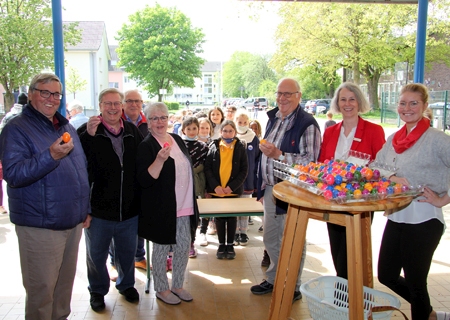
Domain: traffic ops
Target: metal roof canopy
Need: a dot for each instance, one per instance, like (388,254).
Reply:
(348,1)
(419,65)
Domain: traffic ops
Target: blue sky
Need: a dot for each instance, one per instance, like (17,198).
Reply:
(229,25)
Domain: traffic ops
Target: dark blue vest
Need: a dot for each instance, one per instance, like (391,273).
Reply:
(289,144)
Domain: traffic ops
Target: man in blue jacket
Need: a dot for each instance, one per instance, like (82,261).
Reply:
(48,193)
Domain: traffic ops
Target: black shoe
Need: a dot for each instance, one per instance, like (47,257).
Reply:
(230,252)
(266,260)
(237,239)
(261,229)
(297,296)
(222,251)
(97,302)
(250,221)
(262,288)
(243,239)
(131,294)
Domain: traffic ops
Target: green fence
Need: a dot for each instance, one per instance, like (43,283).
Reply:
(437,101)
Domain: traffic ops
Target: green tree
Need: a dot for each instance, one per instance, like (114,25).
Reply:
(368,39)
(74,83)
(26,42)
(233,78)
(248,71)
(159,48)
(267,89)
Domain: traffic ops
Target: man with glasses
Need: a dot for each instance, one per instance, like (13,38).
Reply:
(132,112)
(48,192)
(110,144)
(292,136)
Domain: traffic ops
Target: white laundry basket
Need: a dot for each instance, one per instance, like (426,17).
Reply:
(327,298)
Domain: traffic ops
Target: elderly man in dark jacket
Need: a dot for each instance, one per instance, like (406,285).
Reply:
(111,146)
(48,194)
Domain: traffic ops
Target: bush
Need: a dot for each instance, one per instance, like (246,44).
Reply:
(172,105)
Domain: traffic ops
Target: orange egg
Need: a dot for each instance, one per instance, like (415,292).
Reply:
(262,141)
(368,186)
(368,173)
(66,137)
(357,194)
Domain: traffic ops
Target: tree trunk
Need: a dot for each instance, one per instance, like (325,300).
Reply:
(9,101)
(356,73)
(372,88)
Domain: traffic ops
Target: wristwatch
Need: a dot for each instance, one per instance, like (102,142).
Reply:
(282,156)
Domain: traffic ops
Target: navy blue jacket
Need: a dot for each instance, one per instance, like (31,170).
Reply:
(43,192)
(289,144)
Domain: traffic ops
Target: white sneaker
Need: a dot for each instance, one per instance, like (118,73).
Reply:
(211,228)
(203,241)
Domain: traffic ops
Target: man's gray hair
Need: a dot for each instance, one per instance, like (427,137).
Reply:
(75,105)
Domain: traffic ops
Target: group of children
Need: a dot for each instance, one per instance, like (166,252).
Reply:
(224,154)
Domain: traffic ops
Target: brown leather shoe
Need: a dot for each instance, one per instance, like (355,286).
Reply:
(141,264)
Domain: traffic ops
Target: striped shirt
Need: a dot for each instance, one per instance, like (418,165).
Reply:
(309,146)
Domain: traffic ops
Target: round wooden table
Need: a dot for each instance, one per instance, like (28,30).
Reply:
(304,205)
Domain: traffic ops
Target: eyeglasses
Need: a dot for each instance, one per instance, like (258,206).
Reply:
(411,104)
(231,111)
(129,101)
(46,94)
(162,118)
(109,104)
(285,94)
(228,131)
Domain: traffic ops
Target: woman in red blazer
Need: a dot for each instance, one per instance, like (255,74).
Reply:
(353,133)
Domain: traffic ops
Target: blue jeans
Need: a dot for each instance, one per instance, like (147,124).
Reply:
(140,251)
(98,238)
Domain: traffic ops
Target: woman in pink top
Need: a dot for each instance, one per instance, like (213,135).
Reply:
(169,212)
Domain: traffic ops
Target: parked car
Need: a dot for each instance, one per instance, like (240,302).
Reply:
(318,106)
(248,103)
(303,104)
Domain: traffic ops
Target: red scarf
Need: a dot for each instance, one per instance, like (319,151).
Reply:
(402,141)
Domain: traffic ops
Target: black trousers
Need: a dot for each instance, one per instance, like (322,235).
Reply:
(338,246)
(226,229)
(409,247)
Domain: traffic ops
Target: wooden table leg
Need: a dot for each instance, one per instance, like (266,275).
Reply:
(355,267)
(366,225)
(294,238)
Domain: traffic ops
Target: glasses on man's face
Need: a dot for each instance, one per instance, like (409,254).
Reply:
(231,111)
(109,104)
(228,131)
(285,94)
(162,118)
(129,101)
(411,104)
(46,94)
